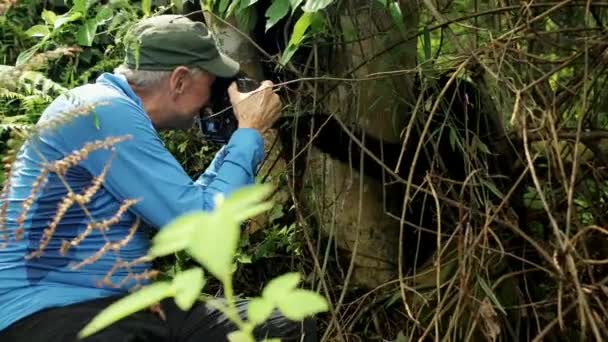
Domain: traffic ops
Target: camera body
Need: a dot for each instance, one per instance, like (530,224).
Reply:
(217,121)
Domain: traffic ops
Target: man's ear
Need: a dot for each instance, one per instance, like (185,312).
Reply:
(179,79)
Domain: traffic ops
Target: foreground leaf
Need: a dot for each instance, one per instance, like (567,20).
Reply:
(188,286)
(176,235)
(300,304)
(259,310)
(214,245)
(126,306)
(281,286)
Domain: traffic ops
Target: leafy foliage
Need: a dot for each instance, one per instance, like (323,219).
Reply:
(211,238)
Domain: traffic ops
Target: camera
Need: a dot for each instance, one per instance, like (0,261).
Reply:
(217,121)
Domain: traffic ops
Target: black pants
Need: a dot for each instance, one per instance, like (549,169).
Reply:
(200,323)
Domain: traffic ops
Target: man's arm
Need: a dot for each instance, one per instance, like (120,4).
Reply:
(142,168)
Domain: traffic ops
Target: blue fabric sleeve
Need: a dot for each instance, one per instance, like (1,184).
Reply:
(142,168)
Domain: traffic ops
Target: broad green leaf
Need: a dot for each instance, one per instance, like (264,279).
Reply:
(67,18)
(288,53)
(105,14)
(246,19)
(188,286)
(126,306)
(80,6)
(177,234)
(294,4)
(280,287)
(300,28)
(245,197)
(49,17)
(240,336)
(316,5)
(146,6)
(252,211)
(86,32)
(214,245)
(276,12)
(259,310)
(223,6)
(384,3)
(300,304)
(38,31)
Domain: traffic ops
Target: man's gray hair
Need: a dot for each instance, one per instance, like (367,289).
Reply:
(146,78)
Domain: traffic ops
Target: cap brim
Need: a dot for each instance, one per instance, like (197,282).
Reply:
(222,66)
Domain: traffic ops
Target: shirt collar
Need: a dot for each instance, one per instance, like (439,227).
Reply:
(119,82)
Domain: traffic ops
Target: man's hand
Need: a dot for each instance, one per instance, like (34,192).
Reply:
(258,109)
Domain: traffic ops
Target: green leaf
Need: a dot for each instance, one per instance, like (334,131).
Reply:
(294,4)
(240,336)
(25,56)
(317,22)
(395,12)
(80,6)
(280,287)
(223,6)
(49,17)
(67,18)
(176,235)
(428,54)
(316,5)
(252,211)
(146,6)
(86,32)
(302,303)
(38,31)
(453,138)
(245,197)
(104,15)
(300,28)
(276,12)
(188,286)
(259,310)
(214,245)
(126,306)
(297,36)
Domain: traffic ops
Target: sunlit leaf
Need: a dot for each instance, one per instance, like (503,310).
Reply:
(316,5)
(38,31)
(177,234)
(86,32)
(126,306)
(296,37)
(188,286)
(281,286)
(214,245)
(105,14)
(67,18)
(146,6)
(245,197)
(49,17)
(239,336)
(294,4)
(276,12)
(259,310)
(300,304)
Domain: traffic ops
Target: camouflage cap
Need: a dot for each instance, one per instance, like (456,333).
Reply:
(163,42)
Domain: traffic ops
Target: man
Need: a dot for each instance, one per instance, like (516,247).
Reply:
(170,66)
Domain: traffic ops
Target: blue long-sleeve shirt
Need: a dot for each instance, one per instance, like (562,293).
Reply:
(141,168)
